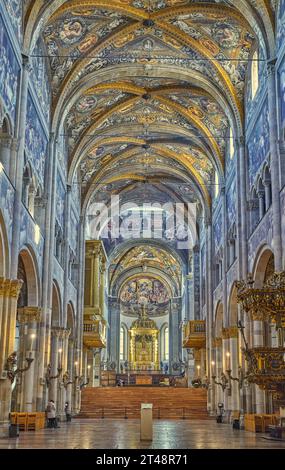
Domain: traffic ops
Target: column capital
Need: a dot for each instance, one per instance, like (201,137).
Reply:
(29,314)
(230,332)
(217,342)
(57,331)
(15,288)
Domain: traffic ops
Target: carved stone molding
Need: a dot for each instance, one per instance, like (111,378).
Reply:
(29,314)
(230,332)
(10,288)
(217,342)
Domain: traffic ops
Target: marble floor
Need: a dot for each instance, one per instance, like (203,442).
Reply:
(121,434)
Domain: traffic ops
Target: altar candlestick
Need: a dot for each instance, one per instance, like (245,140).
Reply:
(213,368)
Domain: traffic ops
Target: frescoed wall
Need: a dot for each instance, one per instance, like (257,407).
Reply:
(29,235)
(74,226)
(36,142)
(9,72)
(15,12)
(218,230)
(281,24)
(7,193)
(258,143)
(281,77)
(39,79)
(231,203)
(60,200)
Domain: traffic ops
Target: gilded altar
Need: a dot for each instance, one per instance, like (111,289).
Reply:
(143,340)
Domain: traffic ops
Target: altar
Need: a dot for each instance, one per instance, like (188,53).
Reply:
(143,340)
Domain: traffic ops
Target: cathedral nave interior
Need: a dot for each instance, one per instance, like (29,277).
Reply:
(142,210)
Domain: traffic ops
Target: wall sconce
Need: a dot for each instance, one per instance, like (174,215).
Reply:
(50,377)
(11,365)
(225,383)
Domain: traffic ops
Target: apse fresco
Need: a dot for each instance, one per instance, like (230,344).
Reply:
(281,74)
(15,11)
(144,292)
(281,24)
(36,142)
(9,72)
(258,143)
(38,78)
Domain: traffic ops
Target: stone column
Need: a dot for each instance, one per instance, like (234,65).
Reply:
(258,340)
(13,160)
(225,364)
(20,164)
(209,303)
(219,369)
(31,200)
(175,343)
(66,252)
(234,365)
(267,187)
(242,209)
(96,281)
(70,363)
(29,318)
(53,387)
(9,293)
(64,335)
(261,207)
(5,152)
(102,287)
(275,165)
(113,341)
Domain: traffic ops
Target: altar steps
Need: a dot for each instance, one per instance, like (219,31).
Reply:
(125,402)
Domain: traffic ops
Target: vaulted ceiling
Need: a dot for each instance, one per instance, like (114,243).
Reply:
(145,91)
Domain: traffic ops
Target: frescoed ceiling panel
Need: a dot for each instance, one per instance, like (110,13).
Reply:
(124,113)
